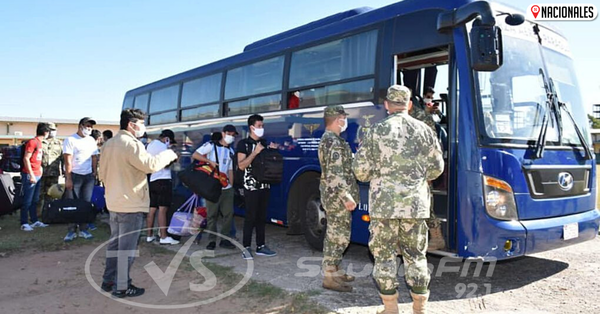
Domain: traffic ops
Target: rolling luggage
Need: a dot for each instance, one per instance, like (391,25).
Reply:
(7,194)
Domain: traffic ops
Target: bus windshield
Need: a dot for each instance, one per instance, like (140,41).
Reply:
(513,98)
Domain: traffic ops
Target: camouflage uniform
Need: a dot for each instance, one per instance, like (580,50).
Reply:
(398,156)
(52,161)
(337,186)
(420,114)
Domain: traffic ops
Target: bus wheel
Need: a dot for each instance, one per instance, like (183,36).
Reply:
(314,222)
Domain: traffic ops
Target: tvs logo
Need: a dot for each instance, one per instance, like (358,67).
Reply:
(562,12)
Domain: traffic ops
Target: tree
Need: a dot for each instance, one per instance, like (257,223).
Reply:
(594,123)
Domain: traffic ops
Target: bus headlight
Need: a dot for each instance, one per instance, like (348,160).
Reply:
(499,199)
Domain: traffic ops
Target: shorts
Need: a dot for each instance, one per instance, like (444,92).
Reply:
(161,193)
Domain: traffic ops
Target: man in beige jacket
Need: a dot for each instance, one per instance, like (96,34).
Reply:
(123,170)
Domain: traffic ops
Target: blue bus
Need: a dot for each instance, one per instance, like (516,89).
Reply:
(520,177)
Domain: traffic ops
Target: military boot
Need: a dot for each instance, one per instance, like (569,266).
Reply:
(343,276)
(419,302)
(390,303)
(436,239)
(332,280)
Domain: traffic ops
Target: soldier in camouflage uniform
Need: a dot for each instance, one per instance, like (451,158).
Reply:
(436,240)
(339,196)
(52,163)
(398,156)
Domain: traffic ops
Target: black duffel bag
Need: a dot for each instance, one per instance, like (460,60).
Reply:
(204,184)
(67,210)
(267,166)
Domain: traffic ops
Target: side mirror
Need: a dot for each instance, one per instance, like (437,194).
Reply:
(486,47)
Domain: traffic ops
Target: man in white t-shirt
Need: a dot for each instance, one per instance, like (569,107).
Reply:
(81,159)
(208,153)
(161,189)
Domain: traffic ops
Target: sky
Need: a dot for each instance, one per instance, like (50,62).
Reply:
(69,59)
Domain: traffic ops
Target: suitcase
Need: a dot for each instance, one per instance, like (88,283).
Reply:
(68,211)
(7,194)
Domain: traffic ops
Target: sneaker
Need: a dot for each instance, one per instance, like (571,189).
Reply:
(26,227)
(227,245)
(149,239)
(70,236)
(211,246)
(86,235)
(132,291)
(169,240)
(39,224)
(92,227)
(108,286)
(247,253)
(264,250)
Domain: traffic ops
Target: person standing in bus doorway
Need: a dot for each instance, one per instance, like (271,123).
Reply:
(123,170)
(398,155)
(339,196)
(80,154)
(219,155)
(52,163)
(426,115)
(161,190)
(256,194)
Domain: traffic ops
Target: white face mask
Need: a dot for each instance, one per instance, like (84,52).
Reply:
(86,132)
(345,126)
(229,139)
(428,100)
(141,129)
(259,132)
(52,134)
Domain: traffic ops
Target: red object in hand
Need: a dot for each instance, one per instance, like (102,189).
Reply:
(201,211)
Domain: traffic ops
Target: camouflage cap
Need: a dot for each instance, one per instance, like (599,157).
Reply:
(52,126)
(398,94)
(334,111)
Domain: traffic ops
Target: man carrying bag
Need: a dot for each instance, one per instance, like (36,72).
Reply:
(219,155)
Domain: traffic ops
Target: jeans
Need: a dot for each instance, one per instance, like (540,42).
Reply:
(31,195)
(256,215)
(125,231)
(224,206)
(83,187)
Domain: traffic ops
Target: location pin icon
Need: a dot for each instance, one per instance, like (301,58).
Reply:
(535,10)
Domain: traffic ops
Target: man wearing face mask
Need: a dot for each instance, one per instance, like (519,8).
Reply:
(123,170)
(52,162)
(219,154)
(339,196)
(81,159)
(256,194)
(161,189)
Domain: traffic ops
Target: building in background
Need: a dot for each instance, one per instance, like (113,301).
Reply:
(14,130)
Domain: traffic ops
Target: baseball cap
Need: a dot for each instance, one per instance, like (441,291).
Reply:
(168,133)
(398,94)
(230,128)
(87,120)
(334,111)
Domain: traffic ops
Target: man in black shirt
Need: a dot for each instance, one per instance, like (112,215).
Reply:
(256,194)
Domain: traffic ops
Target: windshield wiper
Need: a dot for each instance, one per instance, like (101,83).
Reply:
(540,144)
(563,106)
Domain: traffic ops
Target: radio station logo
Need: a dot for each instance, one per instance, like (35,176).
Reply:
(562,12)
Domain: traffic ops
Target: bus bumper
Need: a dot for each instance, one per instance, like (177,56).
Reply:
(549,233)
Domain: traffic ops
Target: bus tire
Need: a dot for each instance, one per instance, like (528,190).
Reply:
(312,214)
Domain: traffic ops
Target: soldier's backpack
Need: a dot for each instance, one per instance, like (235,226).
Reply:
(267,167)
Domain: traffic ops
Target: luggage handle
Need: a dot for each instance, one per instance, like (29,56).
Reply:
(189,205)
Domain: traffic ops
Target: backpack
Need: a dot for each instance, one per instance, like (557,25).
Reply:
(267,167)
(22,148)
